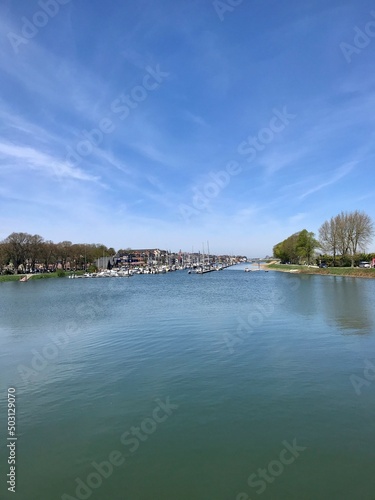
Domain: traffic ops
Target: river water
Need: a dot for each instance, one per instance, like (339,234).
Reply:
(226,386)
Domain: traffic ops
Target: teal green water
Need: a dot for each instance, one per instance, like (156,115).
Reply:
(250,363)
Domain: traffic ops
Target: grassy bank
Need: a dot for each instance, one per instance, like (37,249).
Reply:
(39,276)
(355,272)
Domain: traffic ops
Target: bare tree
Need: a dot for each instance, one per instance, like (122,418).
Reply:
(34,249)
(360,232)
(16,245)
(48,253)
(342,234)
(328,237)
(4,258)
(64,251)
(346,233)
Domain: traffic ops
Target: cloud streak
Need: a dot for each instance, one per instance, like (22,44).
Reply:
(225,80)
(338,175)
(21,157)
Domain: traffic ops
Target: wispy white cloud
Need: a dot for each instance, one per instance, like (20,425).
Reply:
(155,154)
(295,219)
(338,175)
(282,157)
(196,119)
(21,157)
(137,176)
(245,215)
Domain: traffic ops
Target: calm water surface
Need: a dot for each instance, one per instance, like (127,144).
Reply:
(248,365)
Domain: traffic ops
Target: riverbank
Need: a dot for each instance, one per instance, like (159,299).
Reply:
(354,272)
(38,276)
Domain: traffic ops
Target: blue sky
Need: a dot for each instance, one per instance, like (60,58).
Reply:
(170,123)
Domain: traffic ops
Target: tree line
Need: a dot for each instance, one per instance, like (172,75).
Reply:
(23,252)
(341,239)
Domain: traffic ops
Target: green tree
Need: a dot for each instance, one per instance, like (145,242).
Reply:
(287,250)
(280,253)
(306,244)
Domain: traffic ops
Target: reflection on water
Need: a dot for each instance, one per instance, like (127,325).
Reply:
(347,302)
(163,336)
(341,301)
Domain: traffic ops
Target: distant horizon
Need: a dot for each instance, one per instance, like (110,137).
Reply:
(182,122)
(138,248)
